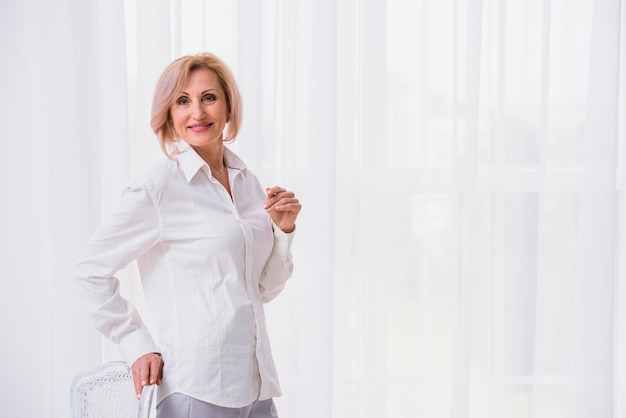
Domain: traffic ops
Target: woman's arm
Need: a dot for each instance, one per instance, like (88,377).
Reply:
(283,208)
(128,232)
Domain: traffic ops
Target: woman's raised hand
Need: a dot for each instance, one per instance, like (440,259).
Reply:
(283,207)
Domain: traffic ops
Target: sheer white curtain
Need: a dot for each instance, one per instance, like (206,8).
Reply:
(461,251)
(64,119)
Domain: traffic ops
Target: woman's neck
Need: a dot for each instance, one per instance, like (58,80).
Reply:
(213,156)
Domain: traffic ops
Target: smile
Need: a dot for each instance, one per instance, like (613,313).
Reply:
(199,127)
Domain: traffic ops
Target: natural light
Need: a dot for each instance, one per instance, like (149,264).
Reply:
(461,248)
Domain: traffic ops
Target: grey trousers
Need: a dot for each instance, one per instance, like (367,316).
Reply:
(178,405)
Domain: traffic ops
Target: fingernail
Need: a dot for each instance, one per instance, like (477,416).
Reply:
(139,396)
(143,383)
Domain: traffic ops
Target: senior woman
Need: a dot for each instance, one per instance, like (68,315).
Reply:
(211,245)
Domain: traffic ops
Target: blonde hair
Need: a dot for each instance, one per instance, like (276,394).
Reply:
(172,82)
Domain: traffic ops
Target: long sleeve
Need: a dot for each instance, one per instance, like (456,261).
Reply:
(278,267)
(130,231)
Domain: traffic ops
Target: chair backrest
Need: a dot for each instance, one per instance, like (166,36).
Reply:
(108,392)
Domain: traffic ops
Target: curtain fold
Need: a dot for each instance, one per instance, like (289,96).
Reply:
(592,356)
(64,119)
(467,201)
(370,172)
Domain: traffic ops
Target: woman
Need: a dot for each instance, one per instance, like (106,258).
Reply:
(212,246)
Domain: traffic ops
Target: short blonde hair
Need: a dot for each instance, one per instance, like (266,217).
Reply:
(172,82)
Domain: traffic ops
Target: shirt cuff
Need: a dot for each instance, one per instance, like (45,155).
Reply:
(282,240)
(136,345)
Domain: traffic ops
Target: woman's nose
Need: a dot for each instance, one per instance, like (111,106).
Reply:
(198,112)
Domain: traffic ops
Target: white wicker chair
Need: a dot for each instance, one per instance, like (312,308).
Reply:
(108,392)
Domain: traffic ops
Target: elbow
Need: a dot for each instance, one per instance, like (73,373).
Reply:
(268,295)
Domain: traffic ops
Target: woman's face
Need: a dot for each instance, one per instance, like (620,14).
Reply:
(200,112)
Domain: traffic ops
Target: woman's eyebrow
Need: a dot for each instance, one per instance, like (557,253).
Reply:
(204,92)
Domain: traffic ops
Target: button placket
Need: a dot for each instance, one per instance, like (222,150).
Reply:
(249,243)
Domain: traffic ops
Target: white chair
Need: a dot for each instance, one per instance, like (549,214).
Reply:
(108,392)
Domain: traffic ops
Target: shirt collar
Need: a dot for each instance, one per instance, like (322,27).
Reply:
(191,162)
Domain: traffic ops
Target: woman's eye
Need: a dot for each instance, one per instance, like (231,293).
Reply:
(209,98)
(182,101)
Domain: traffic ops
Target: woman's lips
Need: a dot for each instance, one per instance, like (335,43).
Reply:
(199,127)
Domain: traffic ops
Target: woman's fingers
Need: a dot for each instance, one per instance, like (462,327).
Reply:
(147,370)
(156,370)
(283,207)
(275,195)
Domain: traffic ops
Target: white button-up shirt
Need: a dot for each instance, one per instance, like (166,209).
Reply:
(207,264)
